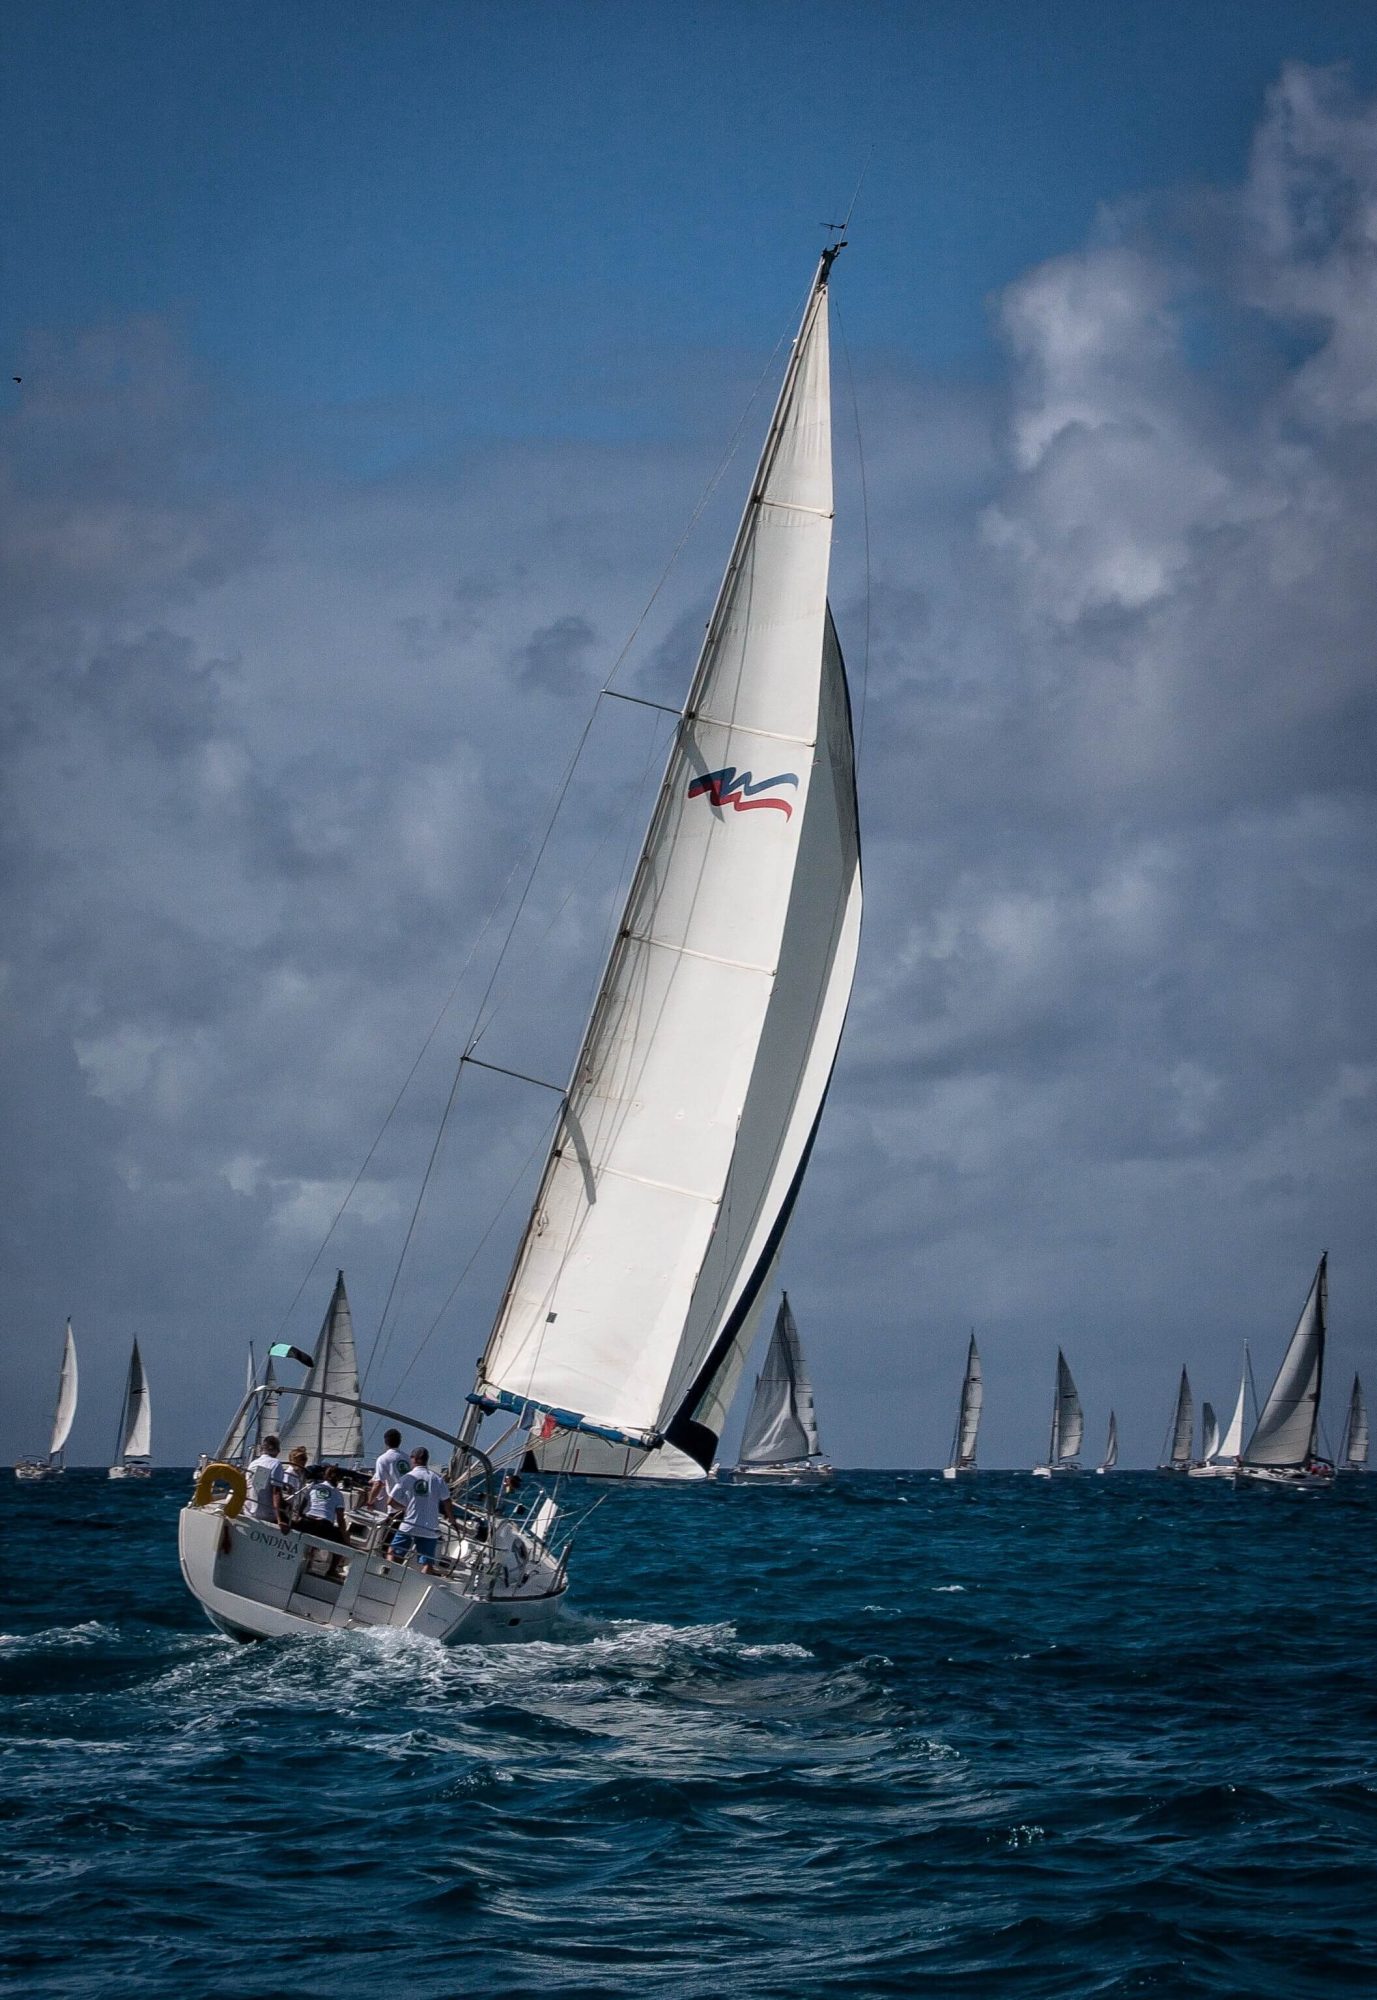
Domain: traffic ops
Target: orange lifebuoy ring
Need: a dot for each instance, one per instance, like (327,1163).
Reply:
(219,1474)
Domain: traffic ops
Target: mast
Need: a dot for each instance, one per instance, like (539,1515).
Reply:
(697,1089)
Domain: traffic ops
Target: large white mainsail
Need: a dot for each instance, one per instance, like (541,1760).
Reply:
(968,1413)
(137,1438)
(1182,1426)
(65,1414)
(1231,1444)
(329,1429)
(1068,1424)
(781,1426)
(698,1088)
(1353,1457)
(1283,1439)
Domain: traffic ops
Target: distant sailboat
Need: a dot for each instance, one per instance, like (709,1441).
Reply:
(1111,1446)
(326,1418)
(967,1416)
(134,1441)
(63,1418)
(780,1442)
(1177,1456)
(1209,1433)
(1353,1456)
(1281,1450)
(1219,1458)
(1068,1426)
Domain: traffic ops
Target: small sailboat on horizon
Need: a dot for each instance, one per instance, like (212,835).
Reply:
(64,1416)
(1282,1449)
(1353,1453)
(1111,1447)
(780,1443)
(967,1416)
(1180,1432)
(1068,1426)
(1219,1458)
(134,1438)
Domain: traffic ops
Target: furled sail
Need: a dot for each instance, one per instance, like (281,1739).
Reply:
(697,1091)
(1355,1435)
(1111,1445)
(329,1429)
(1068,1421)
(1209,1432)
(1182,1426)
(65,1414)
(137,1437)
(968,1414)
(1284,1434)
(781,1425)
(1231,1444)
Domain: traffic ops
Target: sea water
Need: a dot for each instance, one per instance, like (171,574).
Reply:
(1002,1737)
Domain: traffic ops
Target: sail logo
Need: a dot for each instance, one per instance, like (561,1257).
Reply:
(741,792)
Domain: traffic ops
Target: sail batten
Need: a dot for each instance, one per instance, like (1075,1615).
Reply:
(705,1063)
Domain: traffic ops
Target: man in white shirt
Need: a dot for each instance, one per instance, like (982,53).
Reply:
(425,1497)
(322,1511)
(266,1500)
(391,1467)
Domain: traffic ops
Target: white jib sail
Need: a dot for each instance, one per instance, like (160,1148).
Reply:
(1285,1432)
(1111,1444)
(698,1086)
(329,1429)
(968,1415)
(138,1411)
(1068,1421)
(1209,1432)
(1355,1445)
(65,1414)
(1231,1444)
(781,1425)
(1183,1424)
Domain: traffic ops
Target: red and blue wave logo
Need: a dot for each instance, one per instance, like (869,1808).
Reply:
(741,792)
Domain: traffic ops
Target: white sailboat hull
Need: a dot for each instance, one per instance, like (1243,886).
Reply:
(130,1471)
(254,1582)
(1289,1479)
(33,1469)
(1054,1471)
(1213,1471)
(956,1471)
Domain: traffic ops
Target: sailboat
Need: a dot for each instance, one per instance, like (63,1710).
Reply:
(134,1439)
(967,1416)
(1219,1456)
(1111,1447)
(1180,1431)
(780,1442)
(257,1413)
(63,1418)
(1353,1456)
(1068,1426)
(325,1417)
(1281,1450)
(693,1106)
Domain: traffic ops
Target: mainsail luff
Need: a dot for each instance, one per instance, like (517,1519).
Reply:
(64,1416)
(633,1279)
(781,1425)
(330,1429)
(1356,1429)
(136,1422)
(1284,1435)
(968,1411)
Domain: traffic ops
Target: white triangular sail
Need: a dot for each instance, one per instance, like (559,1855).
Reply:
(781,1426)
(65,1414)
(1182,1427)
(137,1438)
(1209,1432)
(1068,1420)
(1231,1444)
(1284,1435)
(329,1429)
(1355,1431)
(697,1090)
(968,1412)
(1111,1445)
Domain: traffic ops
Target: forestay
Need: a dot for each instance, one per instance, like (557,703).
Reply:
(781,1426)
(697,1090)
(1285,1431)
(329,1429)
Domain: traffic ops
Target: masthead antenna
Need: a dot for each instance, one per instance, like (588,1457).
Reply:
(839,229)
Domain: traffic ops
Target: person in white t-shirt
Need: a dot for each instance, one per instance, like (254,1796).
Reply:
(391,1467)
(322,1511)
(424,1496)
(266,1499)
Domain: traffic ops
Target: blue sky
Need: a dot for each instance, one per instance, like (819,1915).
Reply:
(374,359)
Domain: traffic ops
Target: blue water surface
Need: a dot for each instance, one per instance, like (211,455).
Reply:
(1002,1738)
